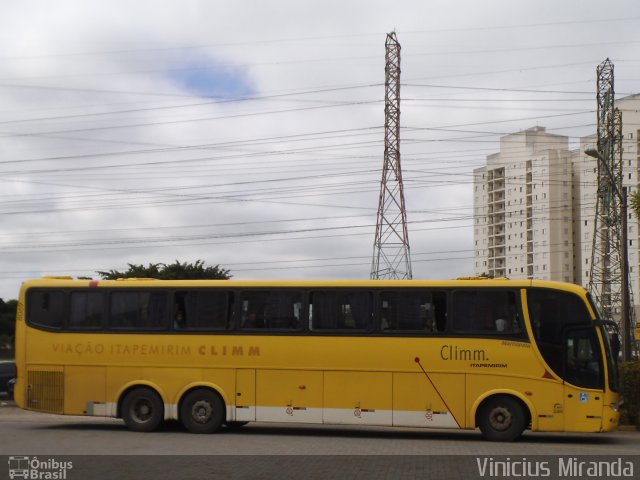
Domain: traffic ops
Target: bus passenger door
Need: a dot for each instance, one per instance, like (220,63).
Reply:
(245,395)
(583,381)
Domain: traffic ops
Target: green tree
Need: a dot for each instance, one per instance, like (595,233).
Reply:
(174,271)
(7,325)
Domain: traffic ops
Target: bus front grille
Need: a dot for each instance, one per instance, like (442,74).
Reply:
(45,391)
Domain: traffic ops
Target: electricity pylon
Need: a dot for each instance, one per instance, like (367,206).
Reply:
(391,253)
(609,281)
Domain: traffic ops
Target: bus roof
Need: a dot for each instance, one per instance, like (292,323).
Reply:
(68,282)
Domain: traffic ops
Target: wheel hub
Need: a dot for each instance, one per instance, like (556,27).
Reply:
(500,418)
(143,411)
(201,411)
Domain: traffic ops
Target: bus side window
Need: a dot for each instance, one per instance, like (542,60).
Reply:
(205,309)
(486,312)
(439,302)
(154,311)
(252,309)
(123,309)
(181,309)
(417,311)
(273,310)
(356,311)
(211,310)
(137,310)
(86,309)
(337,310)
(283,310)
(321,311)
(45,308)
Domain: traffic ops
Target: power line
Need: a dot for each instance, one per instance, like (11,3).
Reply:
(320,37)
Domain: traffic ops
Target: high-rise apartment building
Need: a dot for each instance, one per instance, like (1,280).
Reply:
(522,203)
(535,200)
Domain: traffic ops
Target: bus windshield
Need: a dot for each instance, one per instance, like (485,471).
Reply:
(612,348)
(612,345)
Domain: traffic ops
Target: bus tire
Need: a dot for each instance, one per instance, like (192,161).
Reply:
(202,411)
(502,418)
(142,410)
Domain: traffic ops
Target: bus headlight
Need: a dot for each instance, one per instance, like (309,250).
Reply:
(614,406)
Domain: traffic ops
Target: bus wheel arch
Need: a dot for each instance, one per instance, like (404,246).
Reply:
(202,410)
(142,408)
(502,417)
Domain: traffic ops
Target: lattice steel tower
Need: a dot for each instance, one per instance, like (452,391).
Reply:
(391,253)
(606,273)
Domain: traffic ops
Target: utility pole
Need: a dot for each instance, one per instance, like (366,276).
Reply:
(391,253)
(609,272)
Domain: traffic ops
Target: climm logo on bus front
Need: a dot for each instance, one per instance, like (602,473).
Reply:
(477,357)
(454,352)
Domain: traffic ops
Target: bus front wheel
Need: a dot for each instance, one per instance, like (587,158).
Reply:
(501,419)
(142,410)
(202,411)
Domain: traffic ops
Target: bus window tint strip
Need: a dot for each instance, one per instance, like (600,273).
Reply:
(341,311)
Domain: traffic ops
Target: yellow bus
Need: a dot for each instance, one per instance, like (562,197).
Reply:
(498,355)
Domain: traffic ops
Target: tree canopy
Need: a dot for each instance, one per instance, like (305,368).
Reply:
(7,321)
(174,271)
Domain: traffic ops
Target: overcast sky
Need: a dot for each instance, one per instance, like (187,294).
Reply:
(250,133)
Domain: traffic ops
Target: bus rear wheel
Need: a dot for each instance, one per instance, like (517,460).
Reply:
(501,419)
(202,411)
(142,410)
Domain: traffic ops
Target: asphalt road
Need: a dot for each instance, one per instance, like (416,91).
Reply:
(263,450)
